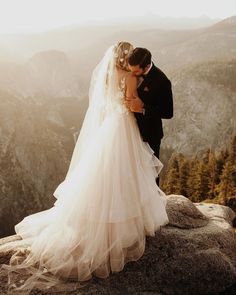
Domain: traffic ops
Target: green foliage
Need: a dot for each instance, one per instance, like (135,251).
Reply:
(207,177)
(172,183)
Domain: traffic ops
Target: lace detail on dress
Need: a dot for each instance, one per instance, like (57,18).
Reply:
(122,84)
(121,91)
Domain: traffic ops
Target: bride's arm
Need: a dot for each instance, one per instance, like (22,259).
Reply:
(132,101)
(131,87)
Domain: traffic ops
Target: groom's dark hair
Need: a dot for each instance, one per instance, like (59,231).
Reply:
(140,56)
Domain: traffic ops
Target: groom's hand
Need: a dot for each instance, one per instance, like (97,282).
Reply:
(135,104)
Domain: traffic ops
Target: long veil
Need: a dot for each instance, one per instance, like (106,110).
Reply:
(25,270)
(103,98)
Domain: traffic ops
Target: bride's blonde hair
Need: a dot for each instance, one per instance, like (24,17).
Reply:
(122,51)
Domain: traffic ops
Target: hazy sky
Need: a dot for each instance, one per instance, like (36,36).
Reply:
(39,15)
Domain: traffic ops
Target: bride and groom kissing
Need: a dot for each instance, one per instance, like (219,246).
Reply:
(110,198)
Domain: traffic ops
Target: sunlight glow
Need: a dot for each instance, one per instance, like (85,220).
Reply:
(40,15)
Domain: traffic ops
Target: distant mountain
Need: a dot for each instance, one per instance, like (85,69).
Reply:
(50,73)
(37,139)
(47,73)
(76,37)
(204,107)
(148,21)
(226,24)
(217,41)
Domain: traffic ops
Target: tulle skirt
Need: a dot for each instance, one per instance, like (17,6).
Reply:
(104,208)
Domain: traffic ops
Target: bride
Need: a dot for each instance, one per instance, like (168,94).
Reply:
(109,200)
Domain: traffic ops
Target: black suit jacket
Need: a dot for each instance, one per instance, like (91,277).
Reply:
(156,93)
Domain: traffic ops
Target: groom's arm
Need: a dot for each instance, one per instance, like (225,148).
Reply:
(164,98)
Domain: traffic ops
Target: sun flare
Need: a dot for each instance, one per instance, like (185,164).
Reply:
(40,15)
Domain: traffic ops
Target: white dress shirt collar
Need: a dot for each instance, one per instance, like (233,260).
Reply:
(148,70)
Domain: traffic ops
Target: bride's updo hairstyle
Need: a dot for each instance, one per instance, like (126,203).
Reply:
(122,51)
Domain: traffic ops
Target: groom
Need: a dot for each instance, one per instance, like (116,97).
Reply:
(154,101)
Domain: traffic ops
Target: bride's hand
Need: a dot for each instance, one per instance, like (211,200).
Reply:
(127,102)
(135,104)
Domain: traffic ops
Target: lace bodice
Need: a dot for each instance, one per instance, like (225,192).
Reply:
(122,90)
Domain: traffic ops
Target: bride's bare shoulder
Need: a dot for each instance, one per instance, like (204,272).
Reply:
(128,77)
(131,78)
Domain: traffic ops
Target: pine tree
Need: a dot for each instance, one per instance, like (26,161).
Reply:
(206,156)
(171,183)
(212,170)
(202,181)
(232,153)
(226,187)
(183,177)
(193,179)
(220,161)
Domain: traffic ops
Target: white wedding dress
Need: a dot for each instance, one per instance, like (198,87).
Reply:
(108,202)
